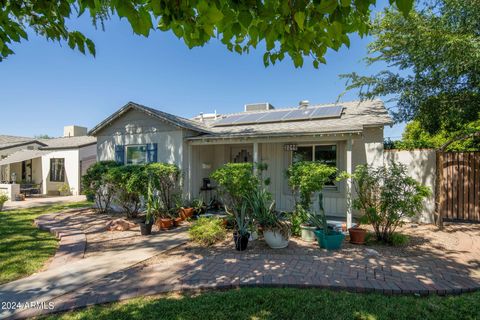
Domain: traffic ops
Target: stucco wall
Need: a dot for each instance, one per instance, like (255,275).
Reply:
(421,164)
(72,169)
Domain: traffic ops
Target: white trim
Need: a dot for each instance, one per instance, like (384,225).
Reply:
(348,193)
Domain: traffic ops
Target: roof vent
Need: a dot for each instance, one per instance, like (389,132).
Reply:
(258,107)
(303,103)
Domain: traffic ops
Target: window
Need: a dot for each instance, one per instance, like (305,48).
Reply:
(57,170)
(137,154)
(324,153)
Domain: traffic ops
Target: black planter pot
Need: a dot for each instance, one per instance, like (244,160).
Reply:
(241,242)
(146,229)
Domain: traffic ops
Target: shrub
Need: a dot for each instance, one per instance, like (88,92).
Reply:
(165,178)
(207,231)
(95,184)
(130,184)
(235,182)
(386,195)
(3,199)
(307,177)
(399,240)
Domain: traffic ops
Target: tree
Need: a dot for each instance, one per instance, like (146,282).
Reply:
(298,28)
(415,136)
(437,52)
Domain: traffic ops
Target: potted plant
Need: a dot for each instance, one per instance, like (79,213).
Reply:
(3,199)
(357,234)
(327,237)
(276,229)
(164,220)
(241,234)
(198,206)
(146,226)
(305,178)
(64,190)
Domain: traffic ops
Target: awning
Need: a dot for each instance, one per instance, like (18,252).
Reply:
(23,155)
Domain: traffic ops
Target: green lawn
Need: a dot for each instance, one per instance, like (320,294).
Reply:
(258,303)
(24,248)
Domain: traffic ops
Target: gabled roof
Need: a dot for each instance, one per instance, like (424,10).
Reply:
(160,115)
(7,141)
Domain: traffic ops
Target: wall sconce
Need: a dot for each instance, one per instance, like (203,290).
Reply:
(206,166)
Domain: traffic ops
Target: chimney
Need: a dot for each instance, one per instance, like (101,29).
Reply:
(303,104)
(74,131)
(264,106)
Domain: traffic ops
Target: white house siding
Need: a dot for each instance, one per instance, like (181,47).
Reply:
(135,127)
(367,146)
(72,171)
(421,165)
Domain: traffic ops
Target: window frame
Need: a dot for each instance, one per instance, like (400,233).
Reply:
(312,145)
(57,179)
(135,145)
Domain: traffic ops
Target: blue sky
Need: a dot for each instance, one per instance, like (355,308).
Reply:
(45,85)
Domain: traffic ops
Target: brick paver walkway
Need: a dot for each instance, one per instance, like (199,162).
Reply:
(354,268)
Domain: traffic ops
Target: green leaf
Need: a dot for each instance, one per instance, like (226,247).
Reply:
(214,15)
(405,6)
(91,47)
(328,6)
(245,18)
(299,18)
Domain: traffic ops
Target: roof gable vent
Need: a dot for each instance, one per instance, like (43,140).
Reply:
(264,106)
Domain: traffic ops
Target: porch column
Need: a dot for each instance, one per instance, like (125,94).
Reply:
(255,156)
(189,175)
(348,190)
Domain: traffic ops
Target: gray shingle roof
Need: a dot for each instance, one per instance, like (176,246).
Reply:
(355,117)
(7,141)
(163,116)
(68,142)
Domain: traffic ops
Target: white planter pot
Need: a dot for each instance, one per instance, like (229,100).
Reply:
(308,233)
(253,236)
(275,240)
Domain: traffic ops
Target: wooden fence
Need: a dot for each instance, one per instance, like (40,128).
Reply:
(459,185)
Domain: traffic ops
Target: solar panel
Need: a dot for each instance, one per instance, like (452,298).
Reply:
(273,116)
(281,116)
(252,118)
(299,114)
(327,112)
(229,120)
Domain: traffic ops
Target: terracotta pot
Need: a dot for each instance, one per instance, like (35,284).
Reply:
(186,213)
(165,223)
(357,235)
(177,221)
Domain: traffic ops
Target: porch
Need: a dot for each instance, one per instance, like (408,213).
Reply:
(206,155)
(32,172)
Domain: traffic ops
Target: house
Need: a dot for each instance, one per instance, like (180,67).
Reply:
(29,165)
(345,135)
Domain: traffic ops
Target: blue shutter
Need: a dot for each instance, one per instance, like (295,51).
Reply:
(151,152)
(119,154)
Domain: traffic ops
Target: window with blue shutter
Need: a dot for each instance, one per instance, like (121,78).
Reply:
(119,154)
(151,152)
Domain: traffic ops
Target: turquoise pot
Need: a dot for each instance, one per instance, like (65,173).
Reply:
(332,241)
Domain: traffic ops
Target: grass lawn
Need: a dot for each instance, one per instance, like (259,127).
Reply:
(24,248)
(267,303)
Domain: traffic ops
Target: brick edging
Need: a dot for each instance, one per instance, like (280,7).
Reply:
(73,241)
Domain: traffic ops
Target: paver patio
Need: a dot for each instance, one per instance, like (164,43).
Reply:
(450,267)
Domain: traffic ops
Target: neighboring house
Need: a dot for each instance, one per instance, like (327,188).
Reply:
(345,135)
(47,164)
